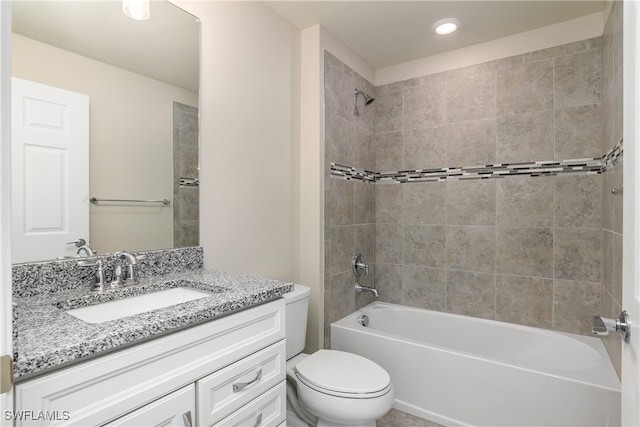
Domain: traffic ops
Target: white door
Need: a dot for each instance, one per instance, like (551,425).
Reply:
(631,213)
(50,170)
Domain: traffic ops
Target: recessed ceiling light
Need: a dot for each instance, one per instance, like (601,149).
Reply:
(446,26)
(136,9)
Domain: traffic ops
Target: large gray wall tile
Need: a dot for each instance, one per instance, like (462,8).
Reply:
(471,294)
(471,248)
(526,88)
(578,79)
(425,148)
(471,97)
(524,201)
(425,287)
(525,137)
(425,245)
(524,300)
(577,254)
(471,202)
(525,251)
(471,143)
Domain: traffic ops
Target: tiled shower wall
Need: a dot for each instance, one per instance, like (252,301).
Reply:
(349,206)
(186,224)
(520,249)
(612,204)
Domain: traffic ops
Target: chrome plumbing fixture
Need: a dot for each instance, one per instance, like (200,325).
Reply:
(125,270)
(358,265)
(363,319)
(360,288)
(81,244)
(602,326)
(368,99)
(99,280)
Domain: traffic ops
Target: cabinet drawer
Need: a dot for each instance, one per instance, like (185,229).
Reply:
(175,409)
(226,390)
(269,410)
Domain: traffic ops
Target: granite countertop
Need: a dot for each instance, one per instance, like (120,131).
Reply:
(48,337)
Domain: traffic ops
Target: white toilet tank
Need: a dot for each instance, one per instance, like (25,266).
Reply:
(297,303)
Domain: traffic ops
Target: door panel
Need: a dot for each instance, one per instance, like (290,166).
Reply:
(50,170)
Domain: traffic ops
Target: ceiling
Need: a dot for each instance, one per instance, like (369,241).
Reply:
(165,47)
(382,33)
(385,33)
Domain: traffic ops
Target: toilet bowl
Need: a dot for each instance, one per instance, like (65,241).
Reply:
(330,387)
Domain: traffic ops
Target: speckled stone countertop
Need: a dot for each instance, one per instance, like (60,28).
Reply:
(48,337)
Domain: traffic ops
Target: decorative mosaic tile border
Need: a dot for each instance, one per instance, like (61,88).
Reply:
(540,168)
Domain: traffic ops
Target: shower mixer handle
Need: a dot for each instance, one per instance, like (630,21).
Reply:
(358,264)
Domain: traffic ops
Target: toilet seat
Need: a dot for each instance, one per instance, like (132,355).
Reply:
(342,374)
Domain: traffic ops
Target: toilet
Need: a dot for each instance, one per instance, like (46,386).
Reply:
(329,387)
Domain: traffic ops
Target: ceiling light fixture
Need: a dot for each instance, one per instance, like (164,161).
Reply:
(446,26)
(136,9)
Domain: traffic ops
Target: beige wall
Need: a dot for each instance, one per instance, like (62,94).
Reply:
(249,118)
(130,152)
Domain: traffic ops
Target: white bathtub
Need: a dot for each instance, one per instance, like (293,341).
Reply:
(458,370)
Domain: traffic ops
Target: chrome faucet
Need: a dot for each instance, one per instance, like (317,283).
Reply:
(360,288)
(357,267)
(88,251)
(82,246)
(125,270)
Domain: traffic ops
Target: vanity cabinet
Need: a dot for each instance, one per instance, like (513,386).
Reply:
(222,372)
(174,410)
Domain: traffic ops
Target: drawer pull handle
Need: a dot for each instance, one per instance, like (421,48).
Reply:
(181,420)
(258,420)
(239,386)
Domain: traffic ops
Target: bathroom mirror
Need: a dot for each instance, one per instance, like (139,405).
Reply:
(141,78)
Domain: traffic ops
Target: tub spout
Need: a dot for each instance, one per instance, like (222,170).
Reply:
(360,288)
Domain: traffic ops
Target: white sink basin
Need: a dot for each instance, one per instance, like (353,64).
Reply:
(118,309)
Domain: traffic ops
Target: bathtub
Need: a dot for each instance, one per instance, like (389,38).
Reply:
(458,370)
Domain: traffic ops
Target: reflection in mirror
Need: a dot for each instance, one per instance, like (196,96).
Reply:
(141,80)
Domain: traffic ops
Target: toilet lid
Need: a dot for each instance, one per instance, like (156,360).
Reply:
(341,372)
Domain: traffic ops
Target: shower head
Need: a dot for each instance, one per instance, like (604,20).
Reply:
(368,99)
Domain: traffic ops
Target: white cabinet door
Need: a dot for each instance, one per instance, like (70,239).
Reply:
(174,410)
(50,170)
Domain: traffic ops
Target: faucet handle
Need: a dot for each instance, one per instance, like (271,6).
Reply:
(79,243)
(358,264)
(131,258)
(99,277)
